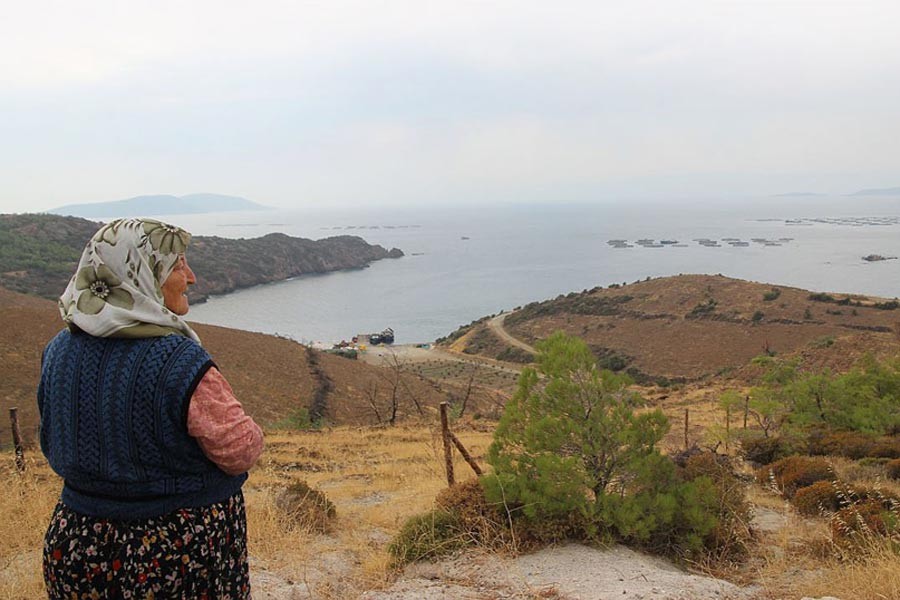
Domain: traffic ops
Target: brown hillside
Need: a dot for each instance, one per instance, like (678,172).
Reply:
(272,377)
(691,326)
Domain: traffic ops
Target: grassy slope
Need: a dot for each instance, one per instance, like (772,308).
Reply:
(271,376)
(657,327)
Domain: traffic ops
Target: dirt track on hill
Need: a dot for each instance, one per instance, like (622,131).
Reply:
(496,326)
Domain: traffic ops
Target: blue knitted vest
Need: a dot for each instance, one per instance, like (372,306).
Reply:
(114,425)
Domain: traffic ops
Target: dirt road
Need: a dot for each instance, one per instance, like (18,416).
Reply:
(496,325)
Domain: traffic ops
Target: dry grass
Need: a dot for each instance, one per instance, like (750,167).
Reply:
(26,504)
(376,477)
(873,577)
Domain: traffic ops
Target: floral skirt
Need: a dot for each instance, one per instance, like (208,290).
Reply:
(195,553)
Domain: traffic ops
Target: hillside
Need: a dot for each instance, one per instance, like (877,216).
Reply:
(272,377)
(693,326)
(38,255)
(159,204)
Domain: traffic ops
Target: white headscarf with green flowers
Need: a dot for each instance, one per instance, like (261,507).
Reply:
(116,291)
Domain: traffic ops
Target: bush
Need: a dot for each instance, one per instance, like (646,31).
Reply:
(849,444)
(765,450)
(886,447)
(858,525)
(795,472)
(307,507)
(731,534)
(893,469)
(566,438)
(430,535)
(823,497)
(484,523)
(573,459)
(771,295)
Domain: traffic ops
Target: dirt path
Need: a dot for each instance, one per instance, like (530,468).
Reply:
(496,325)
(569,572)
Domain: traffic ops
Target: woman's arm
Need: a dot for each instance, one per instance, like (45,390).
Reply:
(226,434)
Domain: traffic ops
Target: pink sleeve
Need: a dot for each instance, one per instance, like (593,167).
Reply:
(226,434)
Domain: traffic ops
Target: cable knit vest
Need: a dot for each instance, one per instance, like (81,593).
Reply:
(114,425)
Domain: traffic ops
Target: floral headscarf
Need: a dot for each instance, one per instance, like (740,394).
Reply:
(116,291)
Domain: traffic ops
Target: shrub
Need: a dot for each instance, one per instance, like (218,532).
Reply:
(702,309)
(573,459)
(429,535)
(731,534)
(893,469)
(795,472)
(771,295)
(886,447)
(849,444)
(757,316)
(765,450)
(566,438)
(484,523)
(821,297)
(822,497)
(858,525)
(308,507)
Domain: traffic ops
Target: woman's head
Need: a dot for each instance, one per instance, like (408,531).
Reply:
(131,281)
(174,288)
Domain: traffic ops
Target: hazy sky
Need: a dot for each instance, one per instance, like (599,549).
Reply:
(331,103)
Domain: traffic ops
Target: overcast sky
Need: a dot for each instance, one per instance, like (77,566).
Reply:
(331,103)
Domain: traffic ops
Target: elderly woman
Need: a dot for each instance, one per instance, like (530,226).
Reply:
(146,433)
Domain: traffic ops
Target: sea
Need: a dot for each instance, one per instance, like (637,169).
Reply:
(467,262)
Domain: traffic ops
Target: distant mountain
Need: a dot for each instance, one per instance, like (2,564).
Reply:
(798,195)
(162,204)
(894,191)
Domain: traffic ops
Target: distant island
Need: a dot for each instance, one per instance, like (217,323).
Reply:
(162,204)
(877,258)
(894,191)
(798,195)
(40,253)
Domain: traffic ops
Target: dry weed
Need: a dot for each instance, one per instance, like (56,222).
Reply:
(26,504)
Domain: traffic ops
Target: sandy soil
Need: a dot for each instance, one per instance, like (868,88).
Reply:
(571,572)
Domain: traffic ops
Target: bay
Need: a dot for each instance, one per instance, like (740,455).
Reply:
(465,263)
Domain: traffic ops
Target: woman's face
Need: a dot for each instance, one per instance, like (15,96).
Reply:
(174,289)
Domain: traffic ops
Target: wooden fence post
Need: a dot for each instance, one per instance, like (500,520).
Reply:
(746,409)
(687,418)
(448,449)
(727,426)
(17,439)
(465,454)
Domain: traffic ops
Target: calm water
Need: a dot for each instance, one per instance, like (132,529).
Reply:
(514,255)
